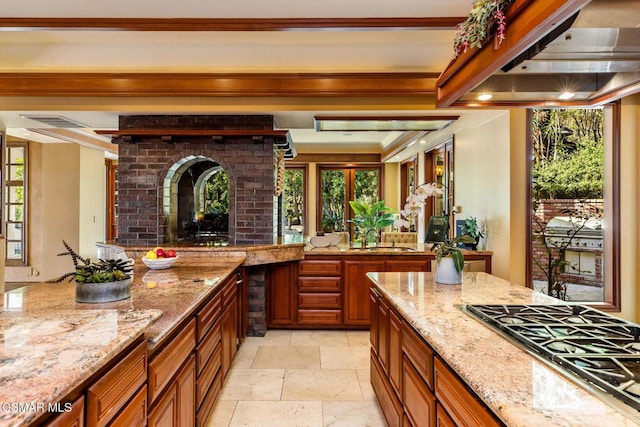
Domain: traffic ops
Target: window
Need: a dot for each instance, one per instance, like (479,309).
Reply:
(16,203)
(574,204)
(337,186)
(295,204)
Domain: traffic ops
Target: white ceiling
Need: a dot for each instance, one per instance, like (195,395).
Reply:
(211,52)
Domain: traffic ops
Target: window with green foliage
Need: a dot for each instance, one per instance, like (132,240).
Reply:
(16,203)
(338,185)
(294,198)
(216,199)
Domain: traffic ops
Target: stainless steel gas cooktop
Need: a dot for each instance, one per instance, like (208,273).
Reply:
(599,348)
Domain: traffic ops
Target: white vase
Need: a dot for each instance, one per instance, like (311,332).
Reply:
(446,272)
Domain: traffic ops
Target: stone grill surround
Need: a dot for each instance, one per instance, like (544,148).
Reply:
(145,160)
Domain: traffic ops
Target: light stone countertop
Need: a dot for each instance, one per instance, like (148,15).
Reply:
(45,355)
(520,389)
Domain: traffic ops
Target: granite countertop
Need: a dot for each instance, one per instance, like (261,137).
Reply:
(45,355)
(419,249)
(520,389)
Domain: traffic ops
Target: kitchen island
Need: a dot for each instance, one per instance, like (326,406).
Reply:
(500,382)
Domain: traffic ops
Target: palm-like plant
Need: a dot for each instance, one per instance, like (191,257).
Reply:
(370,218)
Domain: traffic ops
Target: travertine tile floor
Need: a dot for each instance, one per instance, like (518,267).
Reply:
(300,378)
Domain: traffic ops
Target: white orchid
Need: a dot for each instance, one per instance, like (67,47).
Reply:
(413,205)
(425,191)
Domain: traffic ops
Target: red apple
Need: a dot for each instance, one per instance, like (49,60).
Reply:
(170,253)
(160,253)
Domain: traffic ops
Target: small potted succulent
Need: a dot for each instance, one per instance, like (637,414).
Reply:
(97,282)
(450,260)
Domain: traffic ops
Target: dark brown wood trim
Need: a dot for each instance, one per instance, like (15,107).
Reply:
(230,24)
(337,158)
(217,84)
(527,21)
(615,219)
(529,207)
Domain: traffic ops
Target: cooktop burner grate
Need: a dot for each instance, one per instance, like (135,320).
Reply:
(599,348)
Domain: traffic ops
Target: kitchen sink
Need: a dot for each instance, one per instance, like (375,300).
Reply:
(385,249)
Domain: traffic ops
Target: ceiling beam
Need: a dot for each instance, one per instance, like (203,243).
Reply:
(229,24)
(217,84)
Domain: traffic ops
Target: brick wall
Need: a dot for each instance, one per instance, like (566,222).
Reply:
(145,161)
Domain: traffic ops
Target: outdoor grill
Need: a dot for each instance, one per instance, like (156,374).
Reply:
(590,237)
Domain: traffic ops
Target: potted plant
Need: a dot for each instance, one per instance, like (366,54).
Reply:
(470,228)
(450,260)
(370,218)
(96,282)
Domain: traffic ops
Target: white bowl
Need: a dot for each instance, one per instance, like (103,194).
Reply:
(159,263)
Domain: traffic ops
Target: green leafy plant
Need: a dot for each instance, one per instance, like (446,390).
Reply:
(109,270)
(370,218)
(450,248)
(470,228)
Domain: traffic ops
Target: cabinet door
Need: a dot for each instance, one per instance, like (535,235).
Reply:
(383,334)
(229,335)
(395,352)
(281,295)
(165,412)
(373,329)
(186,394)
(356,291)
(442,418)
(73,418)
(419,401)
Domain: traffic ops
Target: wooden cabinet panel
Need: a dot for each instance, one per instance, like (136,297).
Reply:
(209,401)
(320,268)
(383,335)
(319,284)
(205,379)
(373,329)
(460,404)
(111,392)
(356,291)
(318,300)
(207,346)
(442,418)
(229,335)
(175,407)
(394,369)
(73,418)
(207,316)
(166,363)
(135,413)
(419,353)
(408,265)
(391,406)
(419,401)
(319,317)
(281,295)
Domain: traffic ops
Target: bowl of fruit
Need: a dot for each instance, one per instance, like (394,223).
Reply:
(158,258)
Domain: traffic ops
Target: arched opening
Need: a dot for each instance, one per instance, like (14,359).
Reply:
(196,201)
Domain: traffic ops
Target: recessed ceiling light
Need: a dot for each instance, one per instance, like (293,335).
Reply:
(484,96)
(422,141)
(566,95)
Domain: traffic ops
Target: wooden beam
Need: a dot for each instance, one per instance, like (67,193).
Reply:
(337,158)
(400,143)
(230,24)
(217,84)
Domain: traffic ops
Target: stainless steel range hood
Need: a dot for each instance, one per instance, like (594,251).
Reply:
(595,54)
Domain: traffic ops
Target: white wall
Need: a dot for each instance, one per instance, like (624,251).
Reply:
(92,197)
(482,173)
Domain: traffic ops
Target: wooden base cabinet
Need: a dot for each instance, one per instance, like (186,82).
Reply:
(414,387)
(176,406)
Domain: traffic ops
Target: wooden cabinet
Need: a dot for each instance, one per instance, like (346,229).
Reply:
(109,394)
(407,265)
(229,324)
(73,418)
(414,387)
(319,293)
(175,407)
(281,304)
(356,291)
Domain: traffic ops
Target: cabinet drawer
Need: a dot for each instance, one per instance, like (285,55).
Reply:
(207,316)
(460,403)
(319,317)
(165,364)
(203,383)
(229,291)
(309,300)
(207,346)
(135,413)
(209,401)
(442,418)
(391,406)
(319,284)
(73,418)
(320,268)
(111,392)
(419,353)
